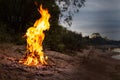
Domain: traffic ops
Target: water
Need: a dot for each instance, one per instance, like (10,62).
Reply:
(116,56)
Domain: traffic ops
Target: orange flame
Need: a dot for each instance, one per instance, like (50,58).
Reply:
(35,37)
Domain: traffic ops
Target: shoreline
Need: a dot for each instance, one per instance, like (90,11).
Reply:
(89,64)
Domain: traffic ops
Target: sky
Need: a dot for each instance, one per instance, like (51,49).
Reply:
(102,16)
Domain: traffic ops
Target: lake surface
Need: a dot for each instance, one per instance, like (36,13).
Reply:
(116,56)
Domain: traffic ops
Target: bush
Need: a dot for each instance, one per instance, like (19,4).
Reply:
(4,33)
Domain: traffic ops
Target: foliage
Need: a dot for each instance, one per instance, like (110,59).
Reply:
(97,39)
(72,40)
(68,8)
(4,31)
(95,35)
(17,15)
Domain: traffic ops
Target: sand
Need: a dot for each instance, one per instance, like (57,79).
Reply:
(89,64)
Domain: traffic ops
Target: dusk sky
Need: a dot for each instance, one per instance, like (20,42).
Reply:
(101,16)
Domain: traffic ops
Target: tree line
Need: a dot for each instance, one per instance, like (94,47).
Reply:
(18,15)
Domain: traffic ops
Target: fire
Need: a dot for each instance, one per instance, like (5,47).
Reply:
(35,37)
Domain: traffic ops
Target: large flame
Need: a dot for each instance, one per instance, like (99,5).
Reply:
(35,37)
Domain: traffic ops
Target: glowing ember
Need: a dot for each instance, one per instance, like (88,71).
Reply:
(35,37)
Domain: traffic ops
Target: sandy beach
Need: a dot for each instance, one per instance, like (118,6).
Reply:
(88,64)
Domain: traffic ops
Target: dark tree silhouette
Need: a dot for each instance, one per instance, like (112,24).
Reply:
(68,8)
(18,13)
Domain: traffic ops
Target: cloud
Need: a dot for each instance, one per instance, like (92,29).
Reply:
(98,16)
(101,5)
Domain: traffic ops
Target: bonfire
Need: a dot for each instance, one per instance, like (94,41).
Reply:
(35,36)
